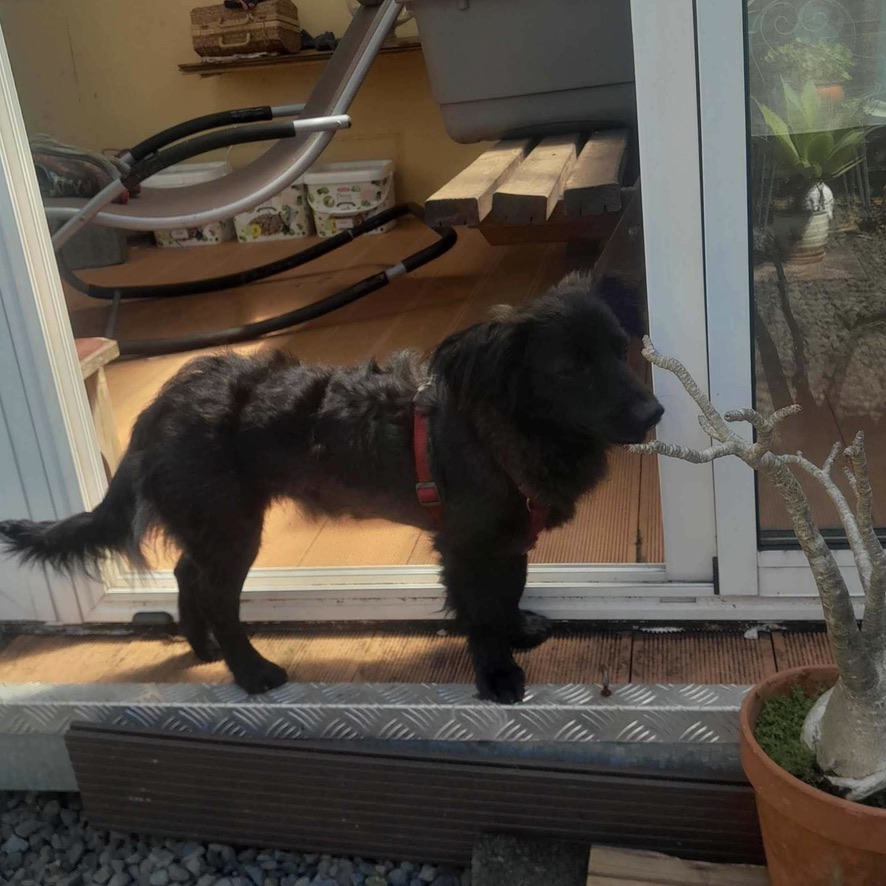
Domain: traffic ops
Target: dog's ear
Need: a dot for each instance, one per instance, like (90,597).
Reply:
(623,299)
(483,364)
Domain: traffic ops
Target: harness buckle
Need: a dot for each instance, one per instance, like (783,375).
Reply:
(428,494)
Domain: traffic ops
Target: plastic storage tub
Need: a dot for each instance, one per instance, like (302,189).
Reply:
(503,68)
(191,174)
(342,195)
(280,218)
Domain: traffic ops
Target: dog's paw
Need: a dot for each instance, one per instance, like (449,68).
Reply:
(504,683)
(534,630)
(261,677)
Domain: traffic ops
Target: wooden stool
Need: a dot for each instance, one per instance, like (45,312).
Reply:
(94,354)
(625,867)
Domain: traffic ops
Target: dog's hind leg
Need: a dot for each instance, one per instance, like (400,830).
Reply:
(534,629)
(191,620)
(222,567)
(484,590)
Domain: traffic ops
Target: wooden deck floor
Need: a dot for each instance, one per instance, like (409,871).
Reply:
(619,523)
(358,654)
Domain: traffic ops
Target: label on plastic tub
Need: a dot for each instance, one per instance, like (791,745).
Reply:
(282,217)
(340,206)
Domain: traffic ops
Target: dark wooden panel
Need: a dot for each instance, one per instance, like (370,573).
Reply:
(380,804)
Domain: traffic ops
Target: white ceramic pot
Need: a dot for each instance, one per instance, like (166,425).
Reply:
(803,234)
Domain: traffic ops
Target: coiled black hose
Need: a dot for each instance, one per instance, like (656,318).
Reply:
(153,347)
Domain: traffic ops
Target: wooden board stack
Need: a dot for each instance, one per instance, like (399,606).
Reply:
(555,188)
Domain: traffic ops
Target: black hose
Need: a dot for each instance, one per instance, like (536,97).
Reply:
(212,284)
(209,141)
(198,124)
(152,347)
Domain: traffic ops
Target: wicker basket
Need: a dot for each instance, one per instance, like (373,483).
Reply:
(272,27)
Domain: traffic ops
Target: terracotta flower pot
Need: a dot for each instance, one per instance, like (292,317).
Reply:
(811,838)
(835,92)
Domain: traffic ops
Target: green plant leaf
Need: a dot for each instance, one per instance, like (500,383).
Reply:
(782,134)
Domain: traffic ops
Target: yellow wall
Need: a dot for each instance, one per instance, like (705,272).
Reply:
(104,74)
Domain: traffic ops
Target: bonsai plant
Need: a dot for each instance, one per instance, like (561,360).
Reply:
(815,141)
(813,836)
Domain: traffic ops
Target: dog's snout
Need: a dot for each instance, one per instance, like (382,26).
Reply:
(649,413)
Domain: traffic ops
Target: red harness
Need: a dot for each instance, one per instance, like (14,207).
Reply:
(429,495)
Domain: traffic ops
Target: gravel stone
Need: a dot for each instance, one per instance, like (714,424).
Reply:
(46,840)
(178,874)
(194,864)
(15,844)
(28,827)
(14,860)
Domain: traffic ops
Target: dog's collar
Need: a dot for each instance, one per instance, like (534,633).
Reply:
(426,488)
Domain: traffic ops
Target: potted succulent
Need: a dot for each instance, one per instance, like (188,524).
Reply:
(826,824)
(814,142)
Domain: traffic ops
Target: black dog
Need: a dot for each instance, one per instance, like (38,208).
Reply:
(524,406)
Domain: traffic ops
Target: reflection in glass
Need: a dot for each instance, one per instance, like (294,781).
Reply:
(817,105)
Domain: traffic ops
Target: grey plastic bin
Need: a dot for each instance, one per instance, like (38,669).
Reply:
(503,68)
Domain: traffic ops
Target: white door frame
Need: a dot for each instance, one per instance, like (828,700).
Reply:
(665,59)
(744,570)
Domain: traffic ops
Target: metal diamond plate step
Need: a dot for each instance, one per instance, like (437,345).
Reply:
(35,717)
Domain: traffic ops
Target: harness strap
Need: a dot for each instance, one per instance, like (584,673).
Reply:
(425,488)
(429,495)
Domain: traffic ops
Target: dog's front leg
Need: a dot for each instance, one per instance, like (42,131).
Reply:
(484,589)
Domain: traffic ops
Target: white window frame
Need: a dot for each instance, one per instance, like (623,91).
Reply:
(665,59)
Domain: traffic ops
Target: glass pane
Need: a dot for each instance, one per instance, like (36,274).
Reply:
(817,82)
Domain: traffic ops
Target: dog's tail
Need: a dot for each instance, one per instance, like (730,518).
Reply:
(82,541)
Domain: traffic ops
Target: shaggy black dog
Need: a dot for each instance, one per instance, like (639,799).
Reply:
(524,405)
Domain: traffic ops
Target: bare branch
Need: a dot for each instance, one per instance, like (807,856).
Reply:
(874,627)
(721,430)
(856,664)
(850,477)
(696,456)
(766,427)
(828,466)
(706,426)
(847,518)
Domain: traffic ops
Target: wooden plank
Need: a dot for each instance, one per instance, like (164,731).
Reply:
(212,67)
(555,229)
(93,353)
(594,185)
(467,199)
(796,649)
(604,529)
(531,193)
(578,655)
(700,657)
(651,532)
(609,866)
